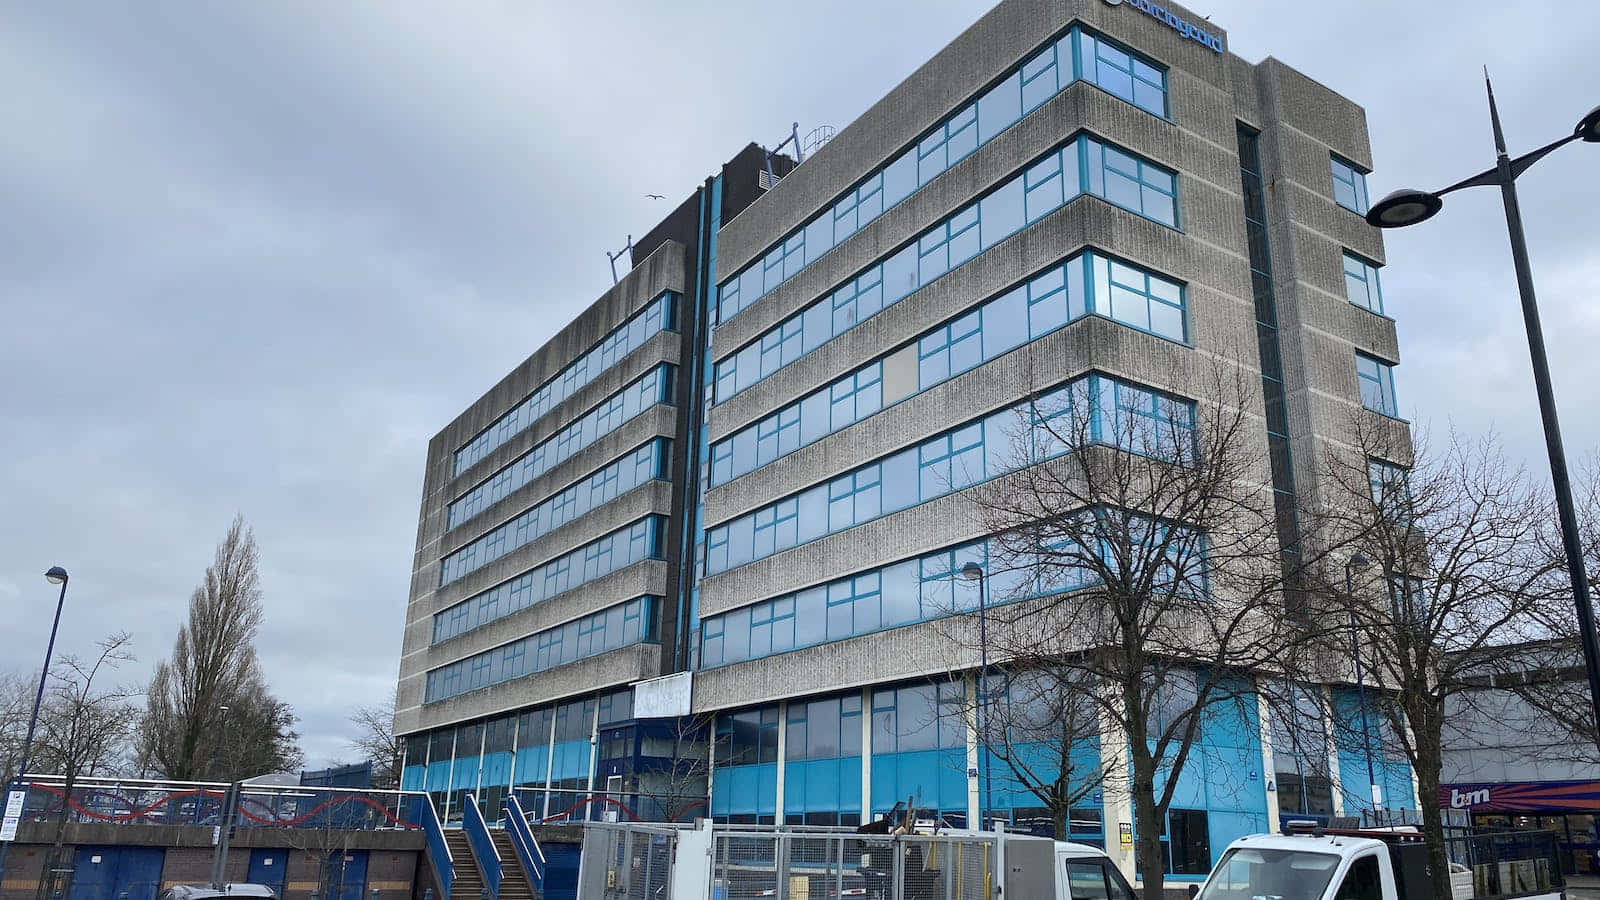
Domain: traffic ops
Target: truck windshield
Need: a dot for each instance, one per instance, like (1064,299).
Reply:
(1250,873)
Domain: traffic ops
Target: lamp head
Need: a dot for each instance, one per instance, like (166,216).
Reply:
(1404,207)
(56,575)
(1588,129)
(1357,562)
(972,571)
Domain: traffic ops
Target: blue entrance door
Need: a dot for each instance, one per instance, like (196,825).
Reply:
(107,873)
(347,874)
(268,867)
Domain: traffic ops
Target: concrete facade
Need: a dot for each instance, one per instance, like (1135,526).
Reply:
(1300,127)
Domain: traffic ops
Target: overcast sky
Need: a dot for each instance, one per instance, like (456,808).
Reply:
(254,255)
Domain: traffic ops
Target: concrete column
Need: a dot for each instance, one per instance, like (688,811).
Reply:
(1117,807)
(1334,777)
(783,751)
(866,755)
(1269,767)
(974,789)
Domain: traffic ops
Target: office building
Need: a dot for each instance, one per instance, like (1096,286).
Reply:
(730,479)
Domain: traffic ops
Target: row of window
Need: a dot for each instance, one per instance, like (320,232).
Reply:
(930,586)
(617,550)
(1089,283)
(1085,165)
(530,729)
(609,629)
(658,315)
(1079,55)
(651,388)
(1094,408)
(618,477)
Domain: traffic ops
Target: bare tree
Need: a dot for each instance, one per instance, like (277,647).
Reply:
(1455,578)
(213,666)
(1139,537)
(16,705)
(1043,726)
(375,741)
(674,784)
(83,730)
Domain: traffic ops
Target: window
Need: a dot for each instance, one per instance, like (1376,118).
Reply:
(1083,164)
(1089,879)
(620,625)
(1041,76)
(1408,600)
(1361,283)
(1349,186)
(1189,845)
(613,552)
(1391,491)
(1130,182)
(655,317)
(653,387)
(1362,882)
(1087,283)
(1377,385)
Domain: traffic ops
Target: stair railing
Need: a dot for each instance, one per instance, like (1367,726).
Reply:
(439,857)
(482,844)
(527,846)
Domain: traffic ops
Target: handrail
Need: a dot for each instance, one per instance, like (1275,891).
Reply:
(482,843)
(523,841)
(444,864)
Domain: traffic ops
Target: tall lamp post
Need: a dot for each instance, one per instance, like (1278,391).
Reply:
(1408,207)
(974,572)
(18,793)
(1354,564)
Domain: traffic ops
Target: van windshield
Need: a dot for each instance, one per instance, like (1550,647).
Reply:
(1254,873)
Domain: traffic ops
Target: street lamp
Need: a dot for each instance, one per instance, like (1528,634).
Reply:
(18,793)
(1408,207)
(1354,564)
(974,572)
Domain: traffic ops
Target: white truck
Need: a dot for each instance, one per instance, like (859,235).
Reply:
(1321,864)
(731,862)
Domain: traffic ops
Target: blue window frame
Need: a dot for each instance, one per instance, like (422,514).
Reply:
(618,626)
(1083,165)
(1361,283)
(921,589)
(1089,283)
(1105,409)
(1057,63)
(1391,490)
(615,551)
(651,388)
(1377,385)
(616,478)
(1349,185)
(658,315)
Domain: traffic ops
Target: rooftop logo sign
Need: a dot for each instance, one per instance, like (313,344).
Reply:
(1162,14)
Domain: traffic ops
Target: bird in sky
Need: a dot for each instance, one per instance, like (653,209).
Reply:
(655,196)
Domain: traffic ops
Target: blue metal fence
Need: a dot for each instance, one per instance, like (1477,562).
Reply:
(529,853)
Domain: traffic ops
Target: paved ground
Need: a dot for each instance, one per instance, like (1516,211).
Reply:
(1583,887)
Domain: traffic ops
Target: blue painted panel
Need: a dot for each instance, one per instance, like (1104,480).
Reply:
(496,770)
(106,873)
(561,870)
(935,779)
(571,760)
(268,867)
(439,776)
(413,778)
(532,763)
(347,875)
(465,773)
(745,790)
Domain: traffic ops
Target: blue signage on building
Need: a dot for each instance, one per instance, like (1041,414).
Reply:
(1162,14)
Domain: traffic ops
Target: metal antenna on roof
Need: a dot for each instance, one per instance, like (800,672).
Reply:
(613,257)
(792,139)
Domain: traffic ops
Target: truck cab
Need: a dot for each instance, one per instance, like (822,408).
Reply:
(1357,865)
